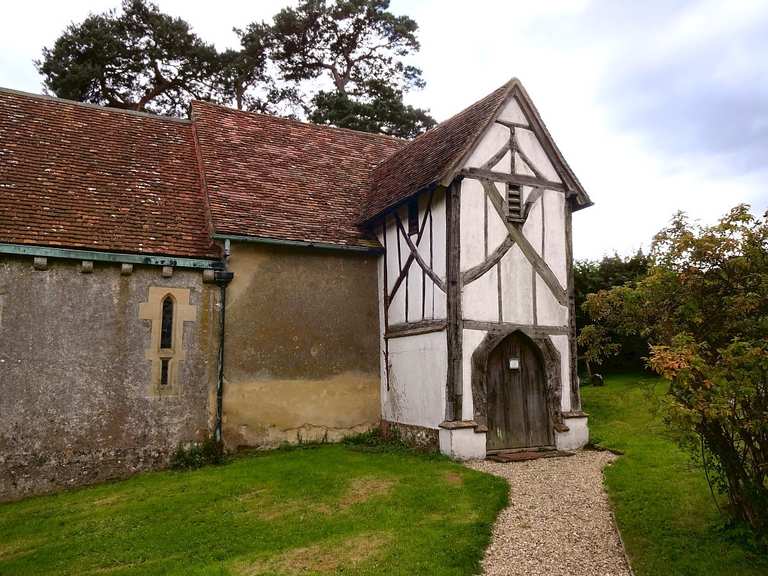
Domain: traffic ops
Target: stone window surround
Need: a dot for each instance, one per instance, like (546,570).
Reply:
(152,310)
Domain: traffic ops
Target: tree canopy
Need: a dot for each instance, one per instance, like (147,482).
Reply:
(139,59)
(358,47)
(703,306)
(339,63)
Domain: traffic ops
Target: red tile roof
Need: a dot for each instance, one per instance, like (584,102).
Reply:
(279,178)
(83,176)
(95,178)
(426,159)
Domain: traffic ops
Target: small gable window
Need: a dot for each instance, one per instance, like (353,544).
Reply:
(514,203)
(413,217)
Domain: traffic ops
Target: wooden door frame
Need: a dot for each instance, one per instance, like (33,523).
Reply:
(552,371)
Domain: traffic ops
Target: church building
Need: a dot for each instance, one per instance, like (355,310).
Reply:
(263,281)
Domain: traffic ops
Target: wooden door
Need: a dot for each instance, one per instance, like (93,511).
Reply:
(518,414)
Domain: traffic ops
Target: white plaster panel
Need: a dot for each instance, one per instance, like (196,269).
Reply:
(521,167)
(418,368)
(440,304)
(494,138)
(516,287)
(497,231)
(561,343)
(504,165)
(532,148)
(397,306)
(414,293)
(438,232)
(525,191)
(472,223)
(470,340)
(480,298)
(548,309)
(554,234)
(532,227)
(429,298)
(513,113)
(393,268)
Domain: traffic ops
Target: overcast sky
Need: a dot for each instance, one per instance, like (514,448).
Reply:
(657,105)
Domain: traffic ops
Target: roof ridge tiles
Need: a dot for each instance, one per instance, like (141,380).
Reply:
(111,109)
(295,121)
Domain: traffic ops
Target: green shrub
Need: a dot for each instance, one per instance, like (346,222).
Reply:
(703,306)
(197,454)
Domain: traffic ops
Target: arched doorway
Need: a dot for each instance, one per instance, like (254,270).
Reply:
(517,405)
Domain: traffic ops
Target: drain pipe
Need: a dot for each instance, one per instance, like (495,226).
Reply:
(222,278)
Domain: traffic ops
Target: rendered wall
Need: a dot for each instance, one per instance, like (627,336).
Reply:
(77,399)
(302,348)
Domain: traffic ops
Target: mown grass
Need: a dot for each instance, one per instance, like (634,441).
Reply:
(662,502)
(323,510)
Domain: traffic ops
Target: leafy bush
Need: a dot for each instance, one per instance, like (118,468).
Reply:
(589,277)
(197,454)
(703,306)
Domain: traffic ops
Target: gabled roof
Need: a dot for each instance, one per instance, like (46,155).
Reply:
(437,156)
(95,178)
(270,177)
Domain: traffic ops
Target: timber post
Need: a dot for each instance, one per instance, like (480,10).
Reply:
(454,384)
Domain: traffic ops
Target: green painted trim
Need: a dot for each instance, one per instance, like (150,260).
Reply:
(278,242)
(69,254)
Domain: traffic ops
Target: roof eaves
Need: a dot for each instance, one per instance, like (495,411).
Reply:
(450,172)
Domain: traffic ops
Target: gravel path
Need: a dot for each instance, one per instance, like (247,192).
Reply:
(558,521)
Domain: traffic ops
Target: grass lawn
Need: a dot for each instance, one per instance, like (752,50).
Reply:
(323,510)
(662,503)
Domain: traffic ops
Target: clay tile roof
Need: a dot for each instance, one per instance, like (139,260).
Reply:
(278,178)
(95,178)
(427,159)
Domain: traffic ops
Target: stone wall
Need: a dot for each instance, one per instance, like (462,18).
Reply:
(79,397)
(302,348)
(415,436)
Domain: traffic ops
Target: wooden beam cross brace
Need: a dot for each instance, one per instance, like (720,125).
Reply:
(538,263)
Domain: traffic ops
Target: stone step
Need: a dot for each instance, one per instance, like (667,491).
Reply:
(522,456)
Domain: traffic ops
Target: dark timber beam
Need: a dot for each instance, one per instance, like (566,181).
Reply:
(415,253)
(512,124)
(454,383)
(476,271)
(575,391)
(538,330)
(538,263)
(496,158)
(415,328)
(519,179)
